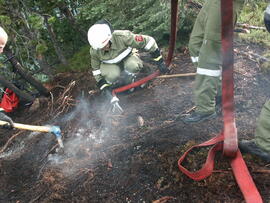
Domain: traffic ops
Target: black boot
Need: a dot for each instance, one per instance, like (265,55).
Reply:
(249,146)
(196,117)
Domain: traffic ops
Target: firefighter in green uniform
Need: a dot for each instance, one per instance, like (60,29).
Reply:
(205,51)
(112,54)
(3,41)
(260,146)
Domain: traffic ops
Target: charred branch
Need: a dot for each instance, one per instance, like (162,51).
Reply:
(22,95)
(18,69)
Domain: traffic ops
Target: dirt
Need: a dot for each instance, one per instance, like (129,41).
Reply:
(130,157)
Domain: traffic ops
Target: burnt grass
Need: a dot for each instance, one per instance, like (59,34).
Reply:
(130,157)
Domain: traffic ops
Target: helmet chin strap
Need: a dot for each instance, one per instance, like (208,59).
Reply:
(108,46)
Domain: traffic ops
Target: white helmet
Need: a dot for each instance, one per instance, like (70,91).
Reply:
(99,35)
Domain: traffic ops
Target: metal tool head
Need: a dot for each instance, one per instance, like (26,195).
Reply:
(116,108)
(57,132)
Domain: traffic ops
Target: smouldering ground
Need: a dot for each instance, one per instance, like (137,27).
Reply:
(119,159)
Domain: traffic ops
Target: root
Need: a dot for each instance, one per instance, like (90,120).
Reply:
(9,141)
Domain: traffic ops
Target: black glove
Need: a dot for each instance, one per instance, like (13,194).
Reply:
(157,57)
(267,18)
(6,118)
(104,87)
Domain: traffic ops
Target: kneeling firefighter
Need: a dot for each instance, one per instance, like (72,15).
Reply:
(112,55)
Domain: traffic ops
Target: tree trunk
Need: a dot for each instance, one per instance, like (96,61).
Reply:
(58,51)
(65,10)
(22,95)
(18,68)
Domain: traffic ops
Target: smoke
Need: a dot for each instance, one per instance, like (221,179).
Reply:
(87,129)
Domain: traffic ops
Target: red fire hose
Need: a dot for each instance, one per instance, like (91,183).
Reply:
(227,140)
(174,8)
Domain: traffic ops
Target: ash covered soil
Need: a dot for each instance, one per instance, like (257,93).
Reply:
(130,157)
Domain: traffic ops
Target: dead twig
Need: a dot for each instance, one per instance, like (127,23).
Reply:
(163,199)
(65,100)
(189,110)
(9,141)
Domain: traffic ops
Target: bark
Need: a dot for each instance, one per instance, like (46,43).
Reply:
(22,95)
(58,51)
(18,68)
(65,10)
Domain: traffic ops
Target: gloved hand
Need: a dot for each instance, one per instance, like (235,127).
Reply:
(107,93)
(163,68)
(6,118)
(267,18)
(157,57)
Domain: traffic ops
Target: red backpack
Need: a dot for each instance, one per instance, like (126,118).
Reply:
(10,101)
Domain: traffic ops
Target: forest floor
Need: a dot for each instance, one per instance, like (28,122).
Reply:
(130,157)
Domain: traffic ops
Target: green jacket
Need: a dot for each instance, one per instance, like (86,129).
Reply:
(123,41)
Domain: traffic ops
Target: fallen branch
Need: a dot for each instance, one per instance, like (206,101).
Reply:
(243,25)
(177,75)
(262,171)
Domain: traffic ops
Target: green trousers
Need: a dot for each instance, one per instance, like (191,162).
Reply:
(262,134)
(131,64)
(205,52)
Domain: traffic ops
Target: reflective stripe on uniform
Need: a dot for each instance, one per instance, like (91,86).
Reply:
(96,72)
(120,57)
(194,59)
(103,86)
(214,73)
(150,44)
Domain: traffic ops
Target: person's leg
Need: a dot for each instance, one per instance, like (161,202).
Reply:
(132,63)
(207,91)
(111,72)
(207,80)
(262,134)
(197,35)
(260,146)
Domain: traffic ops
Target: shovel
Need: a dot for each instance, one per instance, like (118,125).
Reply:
(46,129)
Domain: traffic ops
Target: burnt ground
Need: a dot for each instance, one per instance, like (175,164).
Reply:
(130,157)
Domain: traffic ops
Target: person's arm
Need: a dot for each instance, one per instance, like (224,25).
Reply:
(95,65)
(4,117)
(267,18)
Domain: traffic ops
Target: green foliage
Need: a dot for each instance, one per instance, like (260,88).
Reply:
(78,62)
(52,20)
(36,21)
(252,14)
(5,20)
(265,67)
(70,21)
(41,48)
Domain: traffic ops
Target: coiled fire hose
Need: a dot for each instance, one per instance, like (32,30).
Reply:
(227,140)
